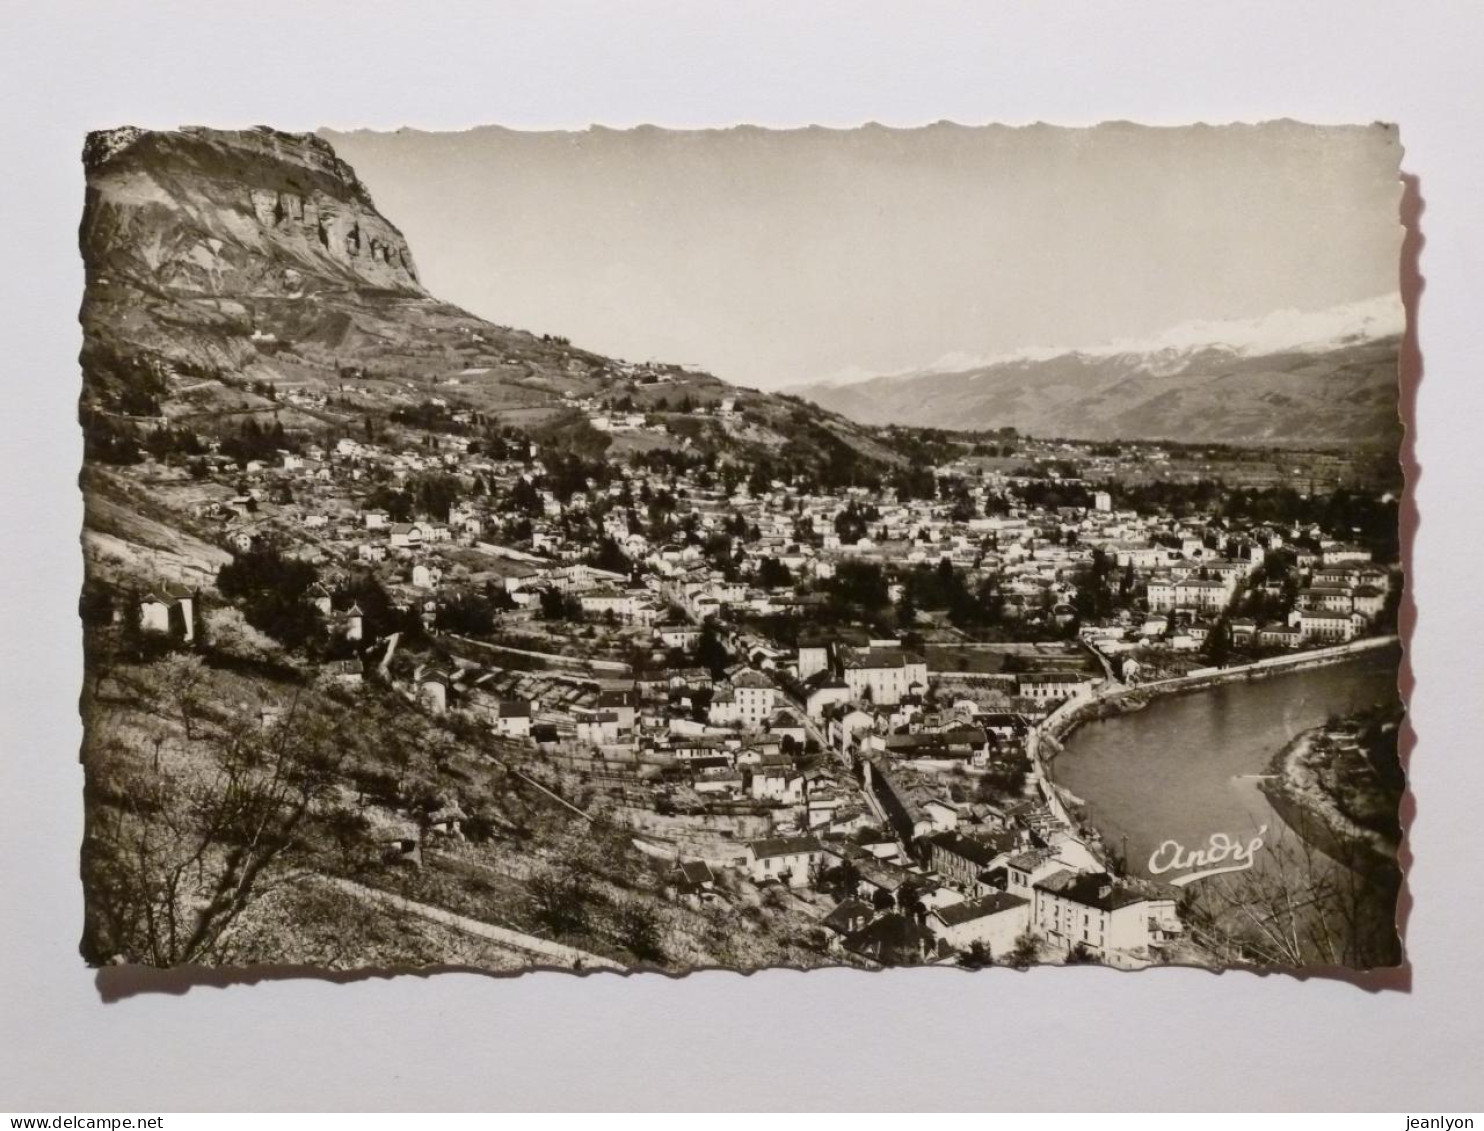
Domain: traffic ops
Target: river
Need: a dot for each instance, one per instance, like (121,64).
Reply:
(1188,766)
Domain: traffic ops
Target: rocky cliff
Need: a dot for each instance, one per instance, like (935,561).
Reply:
(201,209)
(209,250)
(227,267)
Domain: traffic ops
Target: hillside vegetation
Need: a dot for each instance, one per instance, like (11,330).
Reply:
(245,301)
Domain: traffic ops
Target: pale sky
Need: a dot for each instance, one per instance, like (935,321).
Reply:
(773,258)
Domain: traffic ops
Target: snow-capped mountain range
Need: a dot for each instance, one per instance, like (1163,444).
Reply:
(1288,377)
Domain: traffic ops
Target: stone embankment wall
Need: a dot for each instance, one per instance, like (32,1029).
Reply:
(720,840)
(1047,737)
(1066,718)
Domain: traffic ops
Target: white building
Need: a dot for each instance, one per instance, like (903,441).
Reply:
(168,611)
(598,602)
(813,658)
(1102,914)
(1189,593)
(405,535)
(1327,627)
(513,719)
(1335,554)
(789,860)
(995,921)
(1049,687)
(825,693)
(884,675)
(756,697)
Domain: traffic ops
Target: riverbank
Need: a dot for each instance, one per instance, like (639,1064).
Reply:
(1058,727)
(1296,788)
(1053,734)
(1184,768)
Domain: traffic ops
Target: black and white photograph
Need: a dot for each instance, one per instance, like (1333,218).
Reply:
(824,558)
(664,550)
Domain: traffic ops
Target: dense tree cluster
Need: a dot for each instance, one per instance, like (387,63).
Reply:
(129,384)
(853,523)
(773,574)
(858,589)
(568,472)
(108,441)
(468,614)
(167,444)
(923,447)
(914,482)
(944,587)
(711,652)
(1101,587)
(271,589)
(380,617)
(1371,520)
(431,417)
(255,441)
(1054,493)
(608,556)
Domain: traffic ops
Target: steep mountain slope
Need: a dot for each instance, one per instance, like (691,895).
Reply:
(1341,395)
(219,262)
(196,242)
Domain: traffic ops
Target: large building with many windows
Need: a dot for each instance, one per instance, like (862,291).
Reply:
(1189,593)
(884,675)
(1102,913)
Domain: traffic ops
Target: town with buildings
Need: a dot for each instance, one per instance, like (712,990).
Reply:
(512,654)
(831,691)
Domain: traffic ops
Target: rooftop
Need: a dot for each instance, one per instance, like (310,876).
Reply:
(783,846)
(1096,889)
(986,905)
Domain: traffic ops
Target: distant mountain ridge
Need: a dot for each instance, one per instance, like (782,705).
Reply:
(1342,391)
(251,256)
(1278,331)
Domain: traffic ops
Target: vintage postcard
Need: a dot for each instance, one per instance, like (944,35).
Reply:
(651,550)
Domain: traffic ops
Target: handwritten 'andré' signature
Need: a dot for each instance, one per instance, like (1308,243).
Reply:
(1221,854)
